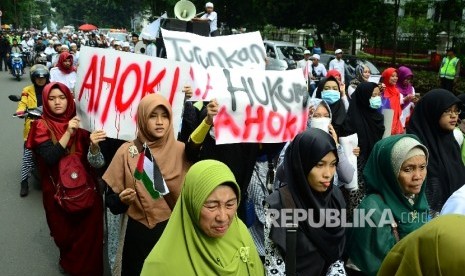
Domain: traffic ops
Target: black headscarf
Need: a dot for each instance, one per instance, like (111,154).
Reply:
(304,153)
(337,109)
(446,172)
(38,89)
(367,122)
(462,98)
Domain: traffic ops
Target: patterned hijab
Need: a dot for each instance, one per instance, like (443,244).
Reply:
(381,177)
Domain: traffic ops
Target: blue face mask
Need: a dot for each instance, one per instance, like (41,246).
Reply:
(330,96)
(375,102)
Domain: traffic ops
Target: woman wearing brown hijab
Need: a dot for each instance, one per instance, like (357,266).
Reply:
(146,207)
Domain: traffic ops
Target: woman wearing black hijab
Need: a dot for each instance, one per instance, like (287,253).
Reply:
(309,163)
(433,121)
(364,119)
(329,91)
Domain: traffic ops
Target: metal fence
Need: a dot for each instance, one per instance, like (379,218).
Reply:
(407,46)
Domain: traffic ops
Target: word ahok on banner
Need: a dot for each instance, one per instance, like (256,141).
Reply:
(114,85)
(261,109)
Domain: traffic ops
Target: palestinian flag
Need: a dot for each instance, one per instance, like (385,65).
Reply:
(149,174)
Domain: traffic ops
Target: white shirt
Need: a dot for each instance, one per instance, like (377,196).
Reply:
(31,42)
(24,44)
(76,58)
(151,50)
(306,66)
(212,19)
(456,203)
(339,65)
(67,79)
(320,71)
(49,51)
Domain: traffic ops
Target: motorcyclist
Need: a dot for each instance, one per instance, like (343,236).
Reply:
(31,98)
(15,49)
(39,46)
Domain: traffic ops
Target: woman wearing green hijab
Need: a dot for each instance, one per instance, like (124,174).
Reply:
(437,248)
(395,175)
(204,235)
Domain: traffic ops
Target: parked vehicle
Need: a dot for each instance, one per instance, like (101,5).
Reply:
(118,36)
(283,55)
(351,63)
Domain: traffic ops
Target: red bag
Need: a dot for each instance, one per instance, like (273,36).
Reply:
(74,193)
(75,190)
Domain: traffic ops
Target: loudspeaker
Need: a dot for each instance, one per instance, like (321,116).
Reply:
(174,25)
(199,28)
(184,10)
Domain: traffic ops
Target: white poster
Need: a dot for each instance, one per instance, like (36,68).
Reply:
(110,85)
(232,51)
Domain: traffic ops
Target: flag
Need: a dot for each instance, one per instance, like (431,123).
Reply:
(152,30)
(148,172)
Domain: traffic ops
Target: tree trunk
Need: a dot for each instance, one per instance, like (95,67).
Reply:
(354,42)
(321,42)
(396,13)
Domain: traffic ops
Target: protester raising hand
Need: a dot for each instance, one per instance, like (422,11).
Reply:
(333,134)
(188,92)
(212,110)
(95,138)
(73,125)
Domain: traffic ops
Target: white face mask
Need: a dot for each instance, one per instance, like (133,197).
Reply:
(321,123)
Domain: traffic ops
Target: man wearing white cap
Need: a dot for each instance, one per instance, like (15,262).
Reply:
(148,39)
(126,47)
(338,64)
(212,18)
(75,52)
(318,70)
(305,65)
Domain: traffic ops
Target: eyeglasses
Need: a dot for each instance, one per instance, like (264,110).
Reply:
(450,112)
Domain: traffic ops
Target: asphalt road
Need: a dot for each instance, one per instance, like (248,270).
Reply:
(26,247)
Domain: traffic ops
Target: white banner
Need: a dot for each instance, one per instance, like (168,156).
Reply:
(110,85)
(258,106)
(232,51)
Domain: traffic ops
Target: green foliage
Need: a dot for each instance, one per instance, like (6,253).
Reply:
(25,13)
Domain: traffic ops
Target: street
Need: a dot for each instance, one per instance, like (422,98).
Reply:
(26,246)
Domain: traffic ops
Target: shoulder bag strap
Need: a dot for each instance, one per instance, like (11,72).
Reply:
(54,138)
(139,145)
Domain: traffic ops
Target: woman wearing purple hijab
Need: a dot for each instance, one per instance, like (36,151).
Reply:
(407,91)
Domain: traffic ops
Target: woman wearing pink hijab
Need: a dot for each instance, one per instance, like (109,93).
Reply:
(404,85)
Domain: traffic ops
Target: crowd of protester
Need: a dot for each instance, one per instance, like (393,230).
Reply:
(208,209)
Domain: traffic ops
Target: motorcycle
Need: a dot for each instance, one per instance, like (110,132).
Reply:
(28,56)
(41,58)
(34,114)
(17,65)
